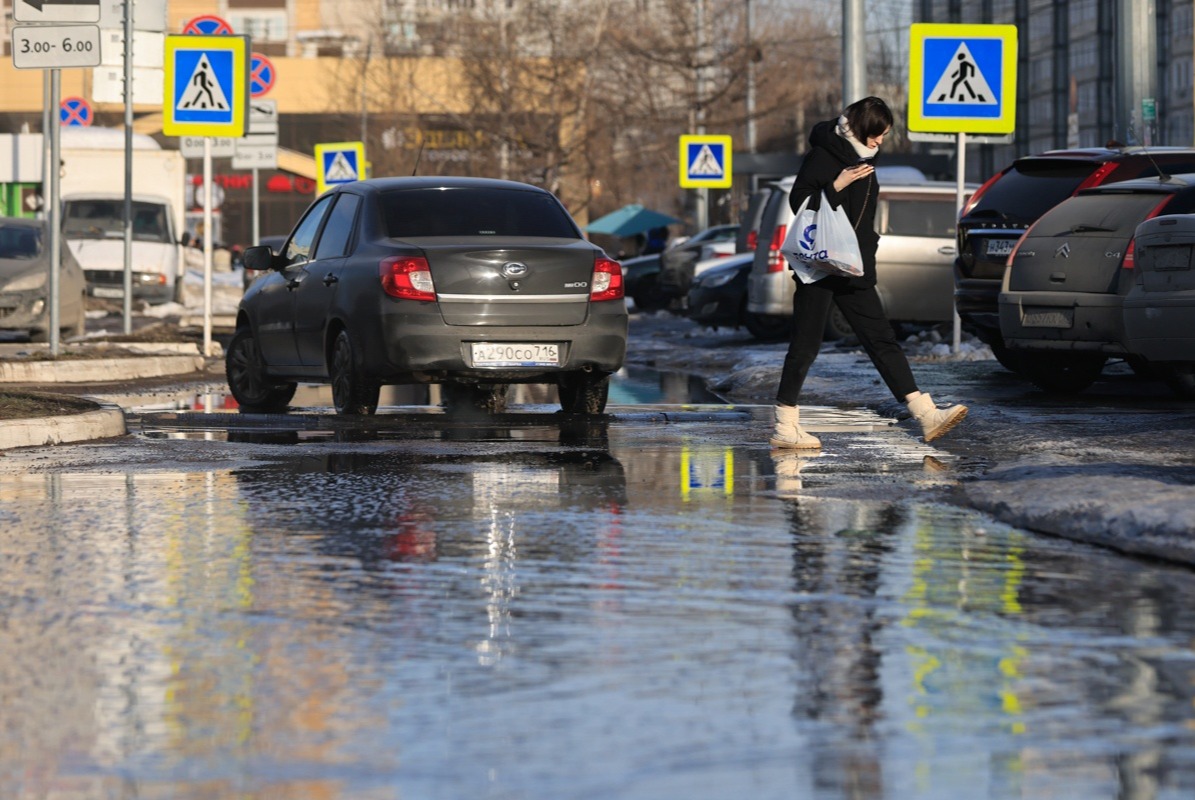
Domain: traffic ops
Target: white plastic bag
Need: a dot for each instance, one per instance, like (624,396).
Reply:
(798,242)
(821,243)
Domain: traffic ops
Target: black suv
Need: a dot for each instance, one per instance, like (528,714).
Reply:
(1012,200)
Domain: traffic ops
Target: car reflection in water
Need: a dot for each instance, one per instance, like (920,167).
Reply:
(389,506)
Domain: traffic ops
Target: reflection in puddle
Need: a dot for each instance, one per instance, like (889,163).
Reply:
(420,617)
(629,386)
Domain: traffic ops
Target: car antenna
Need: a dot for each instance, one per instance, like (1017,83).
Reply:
(1162,176)
(418,158)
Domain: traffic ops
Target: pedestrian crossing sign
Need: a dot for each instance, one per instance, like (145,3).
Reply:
(705,162)
(207,86)
(962,78)
(337,163)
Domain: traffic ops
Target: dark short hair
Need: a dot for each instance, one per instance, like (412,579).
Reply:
(868,117)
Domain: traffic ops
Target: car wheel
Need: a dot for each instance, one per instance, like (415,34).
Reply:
(1061,373)
(1009,359)
(352,393)
(583,392)
(1180,377)
(473,397)
(767,327)
(836,325)
(254,391)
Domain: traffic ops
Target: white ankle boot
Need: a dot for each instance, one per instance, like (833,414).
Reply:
(788,433)
(934,421)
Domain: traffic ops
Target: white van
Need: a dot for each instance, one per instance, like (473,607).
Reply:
(916,220)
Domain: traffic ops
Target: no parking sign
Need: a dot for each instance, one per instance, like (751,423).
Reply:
(75,112)
(261,75)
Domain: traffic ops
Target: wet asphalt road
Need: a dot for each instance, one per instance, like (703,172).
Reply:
(520,607)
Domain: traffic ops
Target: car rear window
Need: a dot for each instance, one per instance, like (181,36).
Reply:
(1100,214)
(1031,188)
(409,213)
(20,243)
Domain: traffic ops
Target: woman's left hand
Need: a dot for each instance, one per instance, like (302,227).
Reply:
(852,174)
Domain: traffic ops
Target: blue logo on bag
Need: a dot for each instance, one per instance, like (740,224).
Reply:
(807,244)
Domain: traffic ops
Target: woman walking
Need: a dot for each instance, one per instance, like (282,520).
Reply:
(839,163)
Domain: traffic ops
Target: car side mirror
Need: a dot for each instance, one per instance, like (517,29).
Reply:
(259,258)
(185,239)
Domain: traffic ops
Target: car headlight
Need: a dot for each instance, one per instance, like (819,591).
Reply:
(714,281)
(27,282)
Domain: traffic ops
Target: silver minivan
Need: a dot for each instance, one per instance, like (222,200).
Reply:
(914,264)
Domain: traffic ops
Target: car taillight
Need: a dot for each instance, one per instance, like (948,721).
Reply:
(407,278)
(970,204)
(607,280)
(1098,177)
(752,240)
(776,262)
(1130,259)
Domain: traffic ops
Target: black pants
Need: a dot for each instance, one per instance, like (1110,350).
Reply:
(865,313)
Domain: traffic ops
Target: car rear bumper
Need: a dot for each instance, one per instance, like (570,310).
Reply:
(1062,321)
(771,293)
(419,347)
(977,301)
(1158,327)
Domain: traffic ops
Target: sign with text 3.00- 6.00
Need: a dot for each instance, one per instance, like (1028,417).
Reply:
(55,46)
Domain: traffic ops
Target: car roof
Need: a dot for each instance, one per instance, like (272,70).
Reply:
(1101,154)
(442,182)
(1154,184)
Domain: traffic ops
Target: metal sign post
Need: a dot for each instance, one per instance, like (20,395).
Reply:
(48,46)
(207,82)
(962,80)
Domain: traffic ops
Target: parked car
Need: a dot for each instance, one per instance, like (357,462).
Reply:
(718,296)
(1062,300)
(916,223)
(274,243)
(1013,199)
(641,282)
(747,238)
(1160,305)
(470,283)
(676,263)
(25,284)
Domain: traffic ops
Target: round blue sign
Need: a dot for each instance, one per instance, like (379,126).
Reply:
(75,111)
(261,75)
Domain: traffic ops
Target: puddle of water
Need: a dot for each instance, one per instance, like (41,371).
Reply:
(631,386)
(691,613)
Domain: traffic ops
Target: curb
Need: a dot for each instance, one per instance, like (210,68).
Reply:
(99,370)
(104,423)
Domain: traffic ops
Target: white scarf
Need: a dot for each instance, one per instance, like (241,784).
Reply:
(863,150)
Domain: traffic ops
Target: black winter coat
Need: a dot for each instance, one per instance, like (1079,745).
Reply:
(828,155)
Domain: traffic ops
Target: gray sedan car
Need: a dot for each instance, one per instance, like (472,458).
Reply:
(25,284)
(470,283)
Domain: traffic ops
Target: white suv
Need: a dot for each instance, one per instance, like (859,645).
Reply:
(914,264)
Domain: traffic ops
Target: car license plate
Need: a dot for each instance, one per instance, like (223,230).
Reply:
(1000,247)
(1168,257)
(101,291)
(1048,318)
(514,354)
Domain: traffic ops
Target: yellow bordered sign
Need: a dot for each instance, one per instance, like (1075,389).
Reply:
(207,86)
(338,162)
(705,162)
(962,78)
